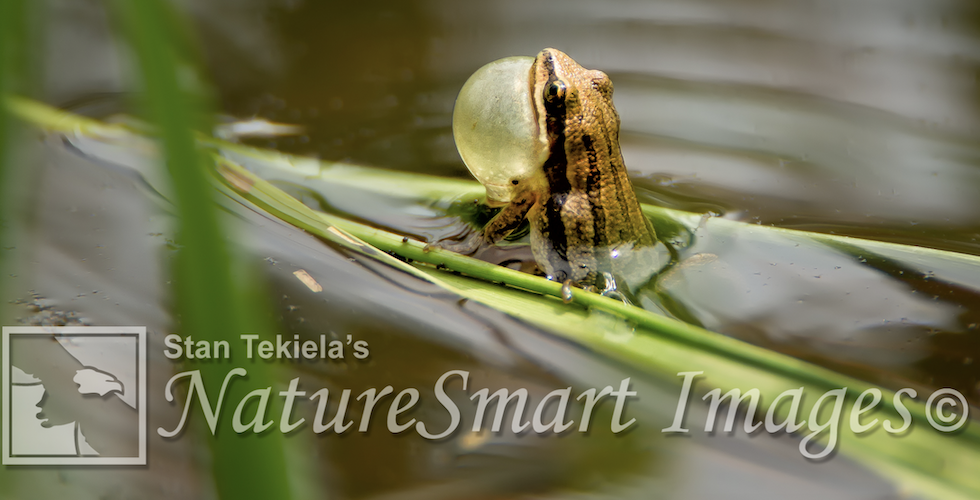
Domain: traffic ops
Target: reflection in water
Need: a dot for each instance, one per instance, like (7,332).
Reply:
(886,319)
(840,116)
(852,117)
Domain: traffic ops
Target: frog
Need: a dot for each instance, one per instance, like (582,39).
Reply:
(542,136)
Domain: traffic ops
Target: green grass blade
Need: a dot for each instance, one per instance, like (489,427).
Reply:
(924,461)
(8,20)
(212,306)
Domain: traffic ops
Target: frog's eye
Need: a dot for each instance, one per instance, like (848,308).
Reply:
(554,93)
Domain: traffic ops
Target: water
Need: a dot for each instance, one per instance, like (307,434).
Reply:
(849,118)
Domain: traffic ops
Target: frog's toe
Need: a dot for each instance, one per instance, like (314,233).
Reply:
(609,283)
(466,246)
(566,291)
(614,291)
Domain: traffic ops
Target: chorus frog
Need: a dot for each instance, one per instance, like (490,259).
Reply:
(542,135)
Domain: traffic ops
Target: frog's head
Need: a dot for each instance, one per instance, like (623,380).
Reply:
(497,129)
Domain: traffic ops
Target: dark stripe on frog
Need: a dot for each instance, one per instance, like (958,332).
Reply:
(622,191)
(555,167)
(619,208)
(592,186)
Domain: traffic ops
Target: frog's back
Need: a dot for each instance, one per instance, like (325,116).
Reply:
(590,216)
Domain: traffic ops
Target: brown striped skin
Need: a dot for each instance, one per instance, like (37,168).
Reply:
(583,205)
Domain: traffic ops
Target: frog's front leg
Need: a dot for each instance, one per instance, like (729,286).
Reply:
(502,224)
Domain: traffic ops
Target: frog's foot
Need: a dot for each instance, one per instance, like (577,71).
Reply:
(612,291)
(466,246)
